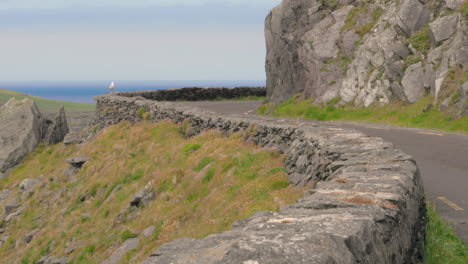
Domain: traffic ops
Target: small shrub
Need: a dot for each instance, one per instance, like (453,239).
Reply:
(90,249)
(421,40)
(411,59)
(141,111)
(127,234)
(146,116)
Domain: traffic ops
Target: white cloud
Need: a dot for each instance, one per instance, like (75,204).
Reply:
(46,4)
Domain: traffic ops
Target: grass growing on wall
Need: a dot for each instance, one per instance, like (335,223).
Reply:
(442,245)
(203,185)
(396,113)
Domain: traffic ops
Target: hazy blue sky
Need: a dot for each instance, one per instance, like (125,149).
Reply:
(133,39)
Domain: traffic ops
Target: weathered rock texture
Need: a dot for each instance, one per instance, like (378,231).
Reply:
(364,51)
(22,128)
(368,205)
(57,129)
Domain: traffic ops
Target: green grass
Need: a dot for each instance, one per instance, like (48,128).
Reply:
(421,40)
(45,105)
(396,113)
(127,234)
(203,163)
(442,245)
(245,98)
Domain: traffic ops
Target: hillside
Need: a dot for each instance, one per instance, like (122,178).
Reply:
(78,114)
(143,185)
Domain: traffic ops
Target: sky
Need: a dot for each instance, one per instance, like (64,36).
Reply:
(133,39)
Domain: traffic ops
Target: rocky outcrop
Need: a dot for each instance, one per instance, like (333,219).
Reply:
(77,162)
(23,127)
(21,130)
(57,129)
(364,51)
(367,206)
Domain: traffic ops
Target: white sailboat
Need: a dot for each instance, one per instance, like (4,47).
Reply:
(112,86)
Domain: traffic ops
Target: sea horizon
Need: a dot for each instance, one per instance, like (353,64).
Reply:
(83,91)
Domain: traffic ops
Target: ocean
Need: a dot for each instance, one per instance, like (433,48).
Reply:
(84,91)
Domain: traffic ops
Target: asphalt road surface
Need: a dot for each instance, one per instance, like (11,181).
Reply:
(442,158)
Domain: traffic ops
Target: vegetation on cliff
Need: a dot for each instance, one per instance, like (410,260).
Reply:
(202,186)
(396,113)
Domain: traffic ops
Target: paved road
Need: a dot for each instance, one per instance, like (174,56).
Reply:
(442,158)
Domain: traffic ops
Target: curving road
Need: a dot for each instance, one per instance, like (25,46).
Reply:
(442,158)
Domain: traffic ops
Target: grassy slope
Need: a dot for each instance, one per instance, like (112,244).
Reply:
(204,184)
(396,113)
(46,105)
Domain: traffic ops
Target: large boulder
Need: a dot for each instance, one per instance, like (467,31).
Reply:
(413,15)
(443,28)
(454,4)
(21,130)
(413,82)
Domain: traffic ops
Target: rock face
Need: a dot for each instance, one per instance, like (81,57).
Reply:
(57,129)
(21,130)
(368,205)
(23,127)
(363,51)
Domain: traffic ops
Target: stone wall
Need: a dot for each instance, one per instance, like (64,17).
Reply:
(365,203)
(197,93)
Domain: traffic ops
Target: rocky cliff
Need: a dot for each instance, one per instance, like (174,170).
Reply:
(368,51)
(23,127)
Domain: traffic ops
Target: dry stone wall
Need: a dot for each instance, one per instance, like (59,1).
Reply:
(365,203)
(198,93)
